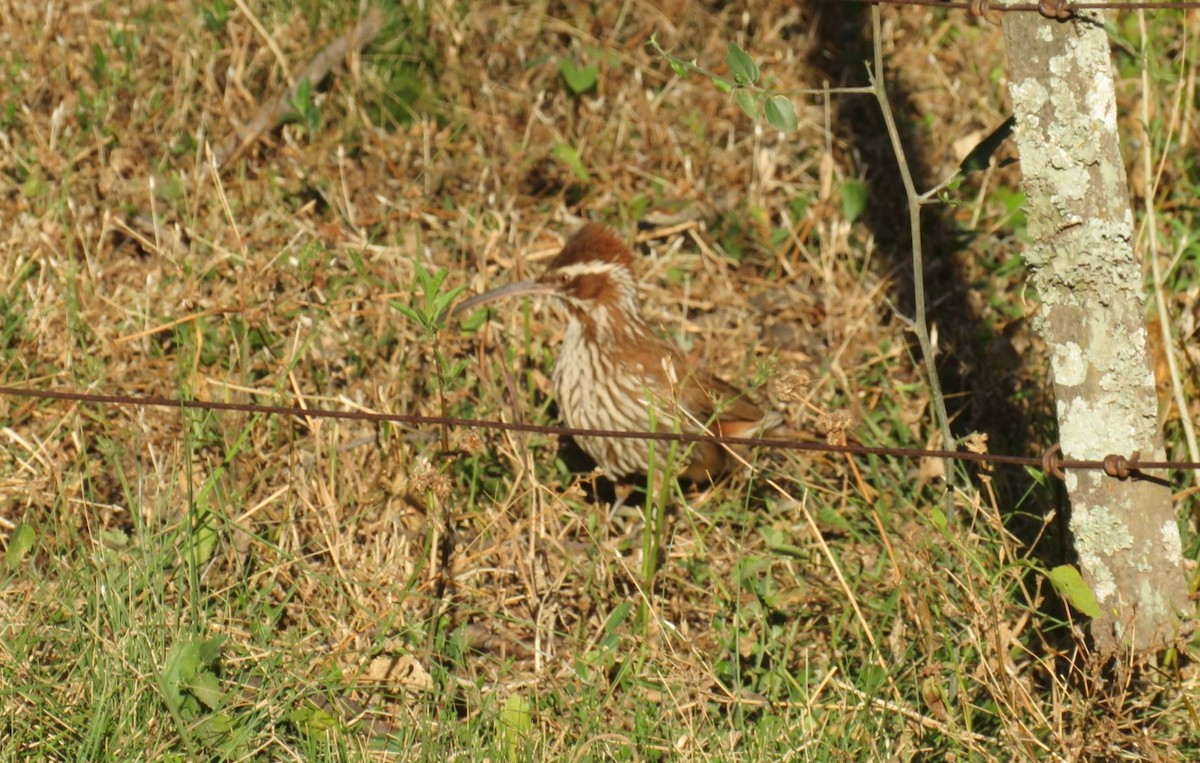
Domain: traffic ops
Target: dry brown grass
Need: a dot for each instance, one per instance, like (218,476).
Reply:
(837,620)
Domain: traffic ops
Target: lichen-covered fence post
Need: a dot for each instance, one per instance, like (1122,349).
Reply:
(1090,283)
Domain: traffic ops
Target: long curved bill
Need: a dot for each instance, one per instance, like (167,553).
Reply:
(520,288)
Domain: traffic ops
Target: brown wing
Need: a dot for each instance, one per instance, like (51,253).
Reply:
(706,400)
(705,397)
(728,412)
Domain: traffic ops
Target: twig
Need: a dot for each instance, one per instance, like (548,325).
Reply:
(273,111)
(919,324)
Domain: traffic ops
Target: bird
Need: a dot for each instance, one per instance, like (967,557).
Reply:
(613,372)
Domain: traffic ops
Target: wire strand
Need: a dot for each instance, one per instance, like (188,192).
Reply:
(1049,462)
(1107,5)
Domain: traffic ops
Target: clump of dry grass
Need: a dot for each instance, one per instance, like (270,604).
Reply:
(483,604)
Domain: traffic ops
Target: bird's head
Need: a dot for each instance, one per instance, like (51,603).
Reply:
(592,276)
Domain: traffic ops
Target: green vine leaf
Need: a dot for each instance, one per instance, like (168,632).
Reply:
(780,113)
(741,65)
(747,102)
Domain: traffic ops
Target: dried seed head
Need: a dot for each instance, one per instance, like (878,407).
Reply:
(790,386)
(430,480)
(976,442)
(471,442)
(834,426)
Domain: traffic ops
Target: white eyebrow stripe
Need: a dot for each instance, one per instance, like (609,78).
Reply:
(588,268)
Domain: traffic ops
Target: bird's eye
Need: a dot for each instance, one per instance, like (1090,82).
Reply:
(564,278)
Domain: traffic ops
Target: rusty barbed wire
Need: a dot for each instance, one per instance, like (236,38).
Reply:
(1050,462)
(1059,9)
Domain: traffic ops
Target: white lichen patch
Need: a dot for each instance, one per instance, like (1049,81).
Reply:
(1069,367)
(1098,530)
(1172,544)
(1098,536)
(1093,429)
(1030,94)
(1103,585)
(1125,368)
(1150,596)
(1102,100)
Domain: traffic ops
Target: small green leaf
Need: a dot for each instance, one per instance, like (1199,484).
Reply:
(24,538)
(210,649)
(781,114)
(99,69)
(184,670)
(747,103)
(583,671)
(567,154)
(772,535)
(220,730)
(516,722)
(207,689)
(313,719)
(937,518)
(833,519)
(517,713)
(741,65)
(854,199)
(114,538)
(204,540)
(406,311)
(579,80)
(473,321)
(451,371)
(215,18)
(1070,585)
(437,304)
(618,617)
(181,665)
(722,85)
(304,107)
(780,543)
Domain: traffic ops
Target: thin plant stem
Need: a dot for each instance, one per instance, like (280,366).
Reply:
(919,324)
(1151,229)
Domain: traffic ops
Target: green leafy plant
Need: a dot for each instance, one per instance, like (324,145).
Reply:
(755,101)
(428,308)
(429,305)
(24,540)
(99,65)
(192,692)
(188,680)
